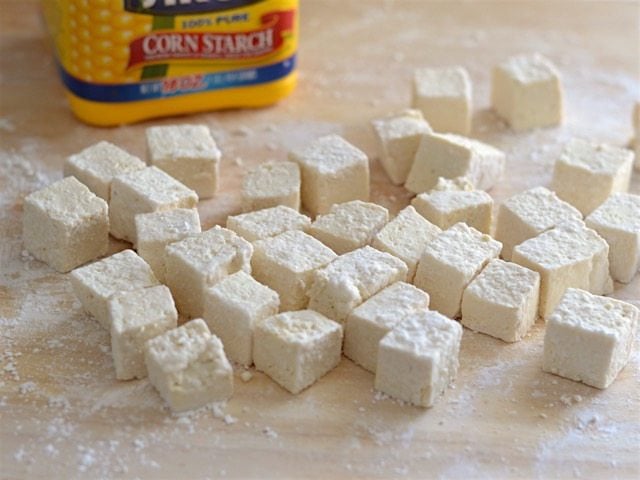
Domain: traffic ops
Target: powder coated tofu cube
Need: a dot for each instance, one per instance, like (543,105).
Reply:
(286,264)
(95,166)
(369,322)
(444,97)
(450,262)
(445,208)
(398,138)
(156,230)
(333,171)
(351,279)
(589,338)
(617,220)
(96,283)
(297,348)
(137,316)
(502,301)
(267,222)
(406,237)
(587,173)
(188,367)
(418,358)
(144,191)
(349,225)
(528,214)
(233,307)
(527,92)
(65,224)
(271,184)
(194,264)
(188,153)
(450,156)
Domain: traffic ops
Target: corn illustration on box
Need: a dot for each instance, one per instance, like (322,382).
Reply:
(123,61)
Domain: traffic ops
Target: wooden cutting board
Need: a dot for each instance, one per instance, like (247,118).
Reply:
(63,415)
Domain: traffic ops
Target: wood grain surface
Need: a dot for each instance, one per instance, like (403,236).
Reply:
(63,414)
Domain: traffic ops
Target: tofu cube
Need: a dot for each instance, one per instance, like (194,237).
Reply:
(528,214)
(271,184)
(188,153)
(406,237)
(526,91)
(194,264)
(398,138)
(156,230)
(369,322)
(502,301)
(450,156)
(349,225)
(587,173)
(418,358)
(450,262)
(333,171)
(589,338)
(144,191)
(444,97)
(95,166)
(617,220)
(351,279)
(137,316)
(445,208)
(233,307)
(267,222)
(286,264)
(188,367)
(297,348)
(65,225)
(96,283)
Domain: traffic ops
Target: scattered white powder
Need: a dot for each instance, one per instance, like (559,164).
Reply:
(246,376)
(269,432)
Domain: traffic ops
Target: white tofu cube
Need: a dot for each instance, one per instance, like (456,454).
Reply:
(95,284)
(65,224)
(349,225)
(351,279)
(527,92)
(589,338)
(444,97)
(406,237)
(502,301)
(144,191)
(194,264)
(188,367)
(233,307)
(188,153)
(418,358)
(297,348)
(369,322)
(333,171)
(286,264)
(528,214)
(445,208)
(95,166)
(267,222)
(137,316)
(450,262)
(450,156)
(587,173)
(398,138)
(617,220)
(271,184)
(156,230)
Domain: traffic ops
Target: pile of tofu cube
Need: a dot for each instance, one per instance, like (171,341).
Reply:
(291,292)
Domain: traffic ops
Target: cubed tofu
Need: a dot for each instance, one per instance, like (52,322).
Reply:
(65,224)
(589,338)
(526,91)
(445,208)
(271,184)
(267,222)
